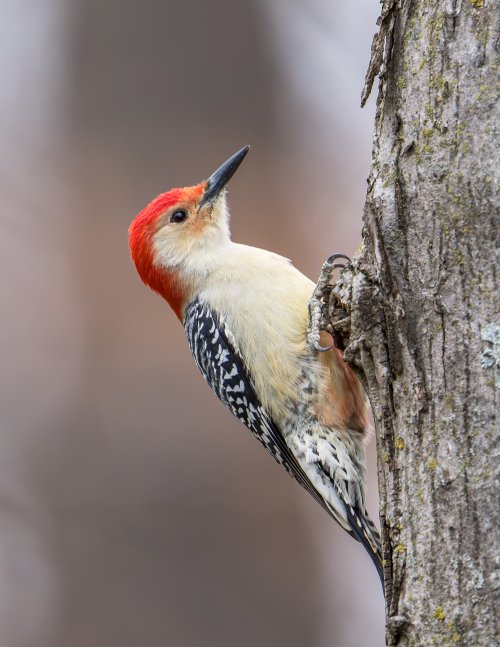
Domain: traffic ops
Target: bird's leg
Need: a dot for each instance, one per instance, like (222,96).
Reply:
(319,301)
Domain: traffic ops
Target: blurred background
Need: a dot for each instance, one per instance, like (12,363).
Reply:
(134,510)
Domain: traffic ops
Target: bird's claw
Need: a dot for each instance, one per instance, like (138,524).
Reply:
(321,349)
(331,259)
(319,298)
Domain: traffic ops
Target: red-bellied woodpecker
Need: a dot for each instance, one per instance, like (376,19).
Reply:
(245,313)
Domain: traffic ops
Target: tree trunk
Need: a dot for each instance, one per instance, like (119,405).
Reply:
(424,316)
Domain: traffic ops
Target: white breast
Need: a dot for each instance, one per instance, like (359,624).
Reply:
(263,300)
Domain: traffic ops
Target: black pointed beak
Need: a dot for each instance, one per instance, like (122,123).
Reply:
(218,180)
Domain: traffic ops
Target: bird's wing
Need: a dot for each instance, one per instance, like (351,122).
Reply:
(223,368)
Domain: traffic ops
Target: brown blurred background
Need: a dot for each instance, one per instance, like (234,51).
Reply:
(133,509)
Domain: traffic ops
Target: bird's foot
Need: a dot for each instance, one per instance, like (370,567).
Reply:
(319,302)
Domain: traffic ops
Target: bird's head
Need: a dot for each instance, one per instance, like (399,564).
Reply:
(176,237)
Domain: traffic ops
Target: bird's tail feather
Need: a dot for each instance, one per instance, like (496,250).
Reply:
(366,533)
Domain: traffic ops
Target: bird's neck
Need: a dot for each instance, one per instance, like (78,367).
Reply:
(180,284)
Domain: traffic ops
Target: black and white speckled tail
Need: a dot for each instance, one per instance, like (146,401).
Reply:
(365,532)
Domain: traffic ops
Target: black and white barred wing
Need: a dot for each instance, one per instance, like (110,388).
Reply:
(223,368)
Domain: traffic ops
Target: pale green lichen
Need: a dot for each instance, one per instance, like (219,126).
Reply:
(432,463)
(439,614)
(436,23)
(438,83)
(487,93)
(391,178)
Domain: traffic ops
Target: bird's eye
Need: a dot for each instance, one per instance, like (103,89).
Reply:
(178,216)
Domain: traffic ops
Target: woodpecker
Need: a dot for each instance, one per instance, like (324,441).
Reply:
(245,314)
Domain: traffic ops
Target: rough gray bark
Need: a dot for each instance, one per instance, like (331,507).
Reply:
(423,329)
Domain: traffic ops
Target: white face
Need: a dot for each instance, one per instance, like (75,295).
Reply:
(190,238)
